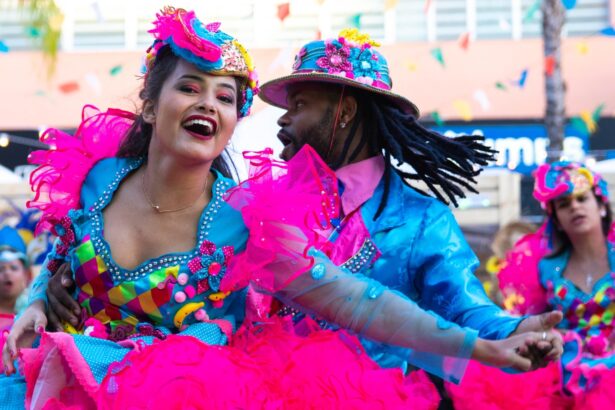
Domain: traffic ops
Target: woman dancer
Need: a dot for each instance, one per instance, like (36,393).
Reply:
(567,265)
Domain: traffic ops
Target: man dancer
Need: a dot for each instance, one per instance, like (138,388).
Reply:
(339,100)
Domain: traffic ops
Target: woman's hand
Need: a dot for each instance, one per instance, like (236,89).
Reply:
(524,352)
(31,323)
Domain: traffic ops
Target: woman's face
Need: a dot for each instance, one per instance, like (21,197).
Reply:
(13,279)
(579,214)
(195,115)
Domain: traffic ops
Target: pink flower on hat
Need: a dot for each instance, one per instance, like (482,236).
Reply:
(336,59)
(299,58)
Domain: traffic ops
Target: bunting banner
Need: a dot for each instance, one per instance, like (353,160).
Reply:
(283,11)
(437,54)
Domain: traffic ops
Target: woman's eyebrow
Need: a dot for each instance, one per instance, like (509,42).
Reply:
(192,77)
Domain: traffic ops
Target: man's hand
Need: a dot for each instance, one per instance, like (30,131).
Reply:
(62,307)
(540,323)
(544,324)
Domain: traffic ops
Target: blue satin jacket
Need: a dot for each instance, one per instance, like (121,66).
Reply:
(425,256)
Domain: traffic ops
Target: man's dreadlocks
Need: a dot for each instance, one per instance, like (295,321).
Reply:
(445,165)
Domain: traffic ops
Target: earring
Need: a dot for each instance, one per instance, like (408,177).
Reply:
(602,213)
(342,125)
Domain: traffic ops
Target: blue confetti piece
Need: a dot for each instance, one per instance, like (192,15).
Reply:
(523,78)
(608,31)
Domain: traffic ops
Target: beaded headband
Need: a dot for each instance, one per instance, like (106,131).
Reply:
(204,45)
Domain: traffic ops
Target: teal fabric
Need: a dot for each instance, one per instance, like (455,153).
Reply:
(100,353)
(12,392)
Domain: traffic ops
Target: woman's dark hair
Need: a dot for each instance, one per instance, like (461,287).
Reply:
(560,241)
(445,165)
(137,139)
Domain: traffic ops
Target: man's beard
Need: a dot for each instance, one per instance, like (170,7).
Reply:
(319,137)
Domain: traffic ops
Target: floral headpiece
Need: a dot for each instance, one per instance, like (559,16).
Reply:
(204,45)
(567,178)
(350,59)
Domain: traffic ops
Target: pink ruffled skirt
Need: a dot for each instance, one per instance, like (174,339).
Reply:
(265,367)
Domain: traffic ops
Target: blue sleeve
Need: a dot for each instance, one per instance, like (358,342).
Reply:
(444,266)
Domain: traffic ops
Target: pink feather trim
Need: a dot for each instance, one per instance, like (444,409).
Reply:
(57,181)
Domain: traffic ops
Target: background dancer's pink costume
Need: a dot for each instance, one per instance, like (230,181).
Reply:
(533,280)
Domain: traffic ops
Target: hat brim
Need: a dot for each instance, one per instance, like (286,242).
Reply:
(275,92)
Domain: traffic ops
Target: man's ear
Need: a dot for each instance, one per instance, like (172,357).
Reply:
(149,112)
(349,109)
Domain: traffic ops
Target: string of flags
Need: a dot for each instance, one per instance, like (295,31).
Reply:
(585,121)
(91,79)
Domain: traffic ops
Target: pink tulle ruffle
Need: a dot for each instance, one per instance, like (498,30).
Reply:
(266,368)
(489,388)
(519,278)
(62,169)
(56,374)
(286,207)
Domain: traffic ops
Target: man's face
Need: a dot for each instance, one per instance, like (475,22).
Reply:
(308,120)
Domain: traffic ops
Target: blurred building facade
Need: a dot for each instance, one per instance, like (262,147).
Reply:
(477,65)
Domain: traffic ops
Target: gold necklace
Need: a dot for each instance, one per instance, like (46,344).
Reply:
(164,211)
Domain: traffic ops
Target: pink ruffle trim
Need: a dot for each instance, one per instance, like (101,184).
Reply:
(519,277)
(55,372)
(281,204)
(485,387)
(489,388)
(266,368)
(63,168)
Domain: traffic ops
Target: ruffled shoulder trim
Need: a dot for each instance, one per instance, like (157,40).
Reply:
(62,169)
(286,207)
(519,277)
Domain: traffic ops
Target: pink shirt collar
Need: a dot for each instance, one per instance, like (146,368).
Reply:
(360,180)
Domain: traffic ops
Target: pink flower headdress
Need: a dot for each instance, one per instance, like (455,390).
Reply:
(567,178)
(204,45)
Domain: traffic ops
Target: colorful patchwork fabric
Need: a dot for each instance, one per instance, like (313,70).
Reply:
(170,292)
(591,318)
(587,324)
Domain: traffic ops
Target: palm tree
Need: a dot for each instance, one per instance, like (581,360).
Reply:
(553,18)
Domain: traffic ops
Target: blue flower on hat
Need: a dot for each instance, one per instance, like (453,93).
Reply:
(366,64)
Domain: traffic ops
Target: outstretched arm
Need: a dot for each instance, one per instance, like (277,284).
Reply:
(445,280)
(368,308)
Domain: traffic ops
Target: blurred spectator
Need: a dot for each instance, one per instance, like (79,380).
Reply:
(14,278)
(503,241)
(14,274)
